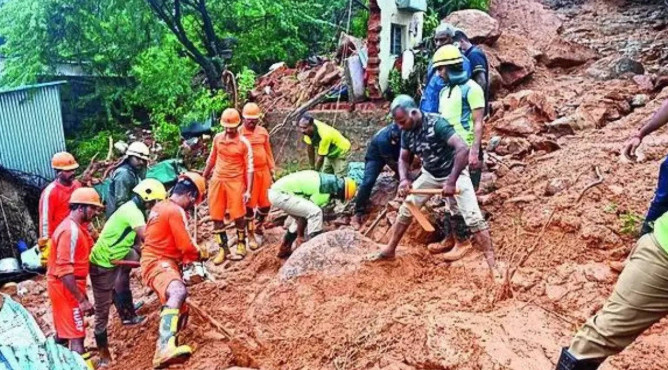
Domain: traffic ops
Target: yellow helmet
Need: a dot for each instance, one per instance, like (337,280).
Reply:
(350,188)
(447,55)
(150,189)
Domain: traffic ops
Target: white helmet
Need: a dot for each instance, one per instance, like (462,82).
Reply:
(139,150)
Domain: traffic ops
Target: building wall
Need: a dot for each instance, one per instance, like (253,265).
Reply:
(389,15)
(31,128)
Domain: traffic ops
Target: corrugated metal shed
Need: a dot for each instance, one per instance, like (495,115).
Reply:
(31,128)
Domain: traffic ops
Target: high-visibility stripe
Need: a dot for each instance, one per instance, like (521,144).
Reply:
(250,154)
(185,223)
(74,238)
(44,220)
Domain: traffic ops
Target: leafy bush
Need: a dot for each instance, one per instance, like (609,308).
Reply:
(87,144)
(245,83)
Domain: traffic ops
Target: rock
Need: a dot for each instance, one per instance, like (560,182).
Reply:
(590,115)
(555,186)
(494,142)
(487,182)
(562,126)
(543,143)
(31,287)
(644,82)
(639,100)
(513,60)
(332,253)
(513,145)
(516,125)
(383,191)
(479,26)
(565,54)
(661,82)
(610,68)
(495,81)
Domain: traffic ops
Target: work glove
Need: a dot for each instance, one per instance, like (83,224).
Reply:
(204,254)
(196,273)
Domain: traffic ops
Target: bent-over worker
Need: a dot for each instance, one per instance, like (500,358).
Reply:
(444,158)
(383,150)
(327,148)
(167,246)
(120,240)
(301,195)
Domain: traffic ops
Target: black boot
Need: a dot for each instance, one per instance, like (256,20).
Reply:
(126,309)
(568,362)
(103,349)
(286,246)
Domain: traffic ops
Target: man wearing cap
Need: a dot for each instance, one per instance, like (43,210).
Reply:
(167,246)
(126,176)
(444,158)
(434,83)
(120,240)
(301,195)
(55,198)
(327,148)
(230,167)
(68,266)
(263,172)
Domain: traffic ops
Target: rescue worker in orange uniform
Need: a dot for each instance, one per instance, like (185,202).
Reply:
(55,198)
(231,163)
(67,269)
(263,166)
(167,247)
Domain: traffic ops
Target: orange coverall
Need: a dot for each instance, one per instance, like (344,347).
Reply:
(72,245)
(263,164)
(167,243)
(232,159)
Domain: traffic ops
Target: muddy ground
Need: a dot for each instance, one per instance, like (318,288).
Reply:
(335,311)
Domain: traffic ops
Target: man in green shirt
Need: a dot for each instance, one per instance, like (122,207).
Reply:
(332,147)
(639,299)
(301,195)
(120,240)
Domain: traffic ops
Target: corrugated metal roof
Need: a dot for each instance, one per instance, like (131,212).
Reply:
(31,128)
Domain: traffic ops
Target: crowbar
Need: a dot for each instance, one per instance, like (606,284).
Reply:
(131,264)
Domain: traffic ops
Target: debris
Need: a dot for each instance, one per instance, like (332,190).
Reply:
(479,26)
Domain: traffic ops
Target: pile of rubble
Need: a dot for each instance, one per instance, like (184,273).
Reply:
(284,87)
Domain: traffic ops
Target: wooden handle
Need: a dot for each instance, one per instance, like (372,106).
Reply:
(420,217)
(125,263)
(429,191)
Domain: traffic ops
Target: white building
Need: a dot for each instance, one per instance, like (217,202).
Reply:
(401,22)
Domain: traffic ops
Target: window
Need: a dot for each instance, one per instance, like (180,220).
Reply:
(396,39)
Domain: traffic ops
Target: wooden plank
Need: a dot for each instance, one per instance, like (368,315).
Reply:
(428,191)
(420,217)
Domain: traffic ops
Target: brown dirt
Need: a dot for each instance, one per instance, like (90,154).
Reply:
(420,312)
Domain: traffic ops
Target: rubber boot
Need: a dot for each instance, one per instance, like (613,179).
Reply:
(252,241)
(286,247)
(167,351)
(224,251)
(568,362)
(103,349)
(126,309)
(88,359)
(241,243)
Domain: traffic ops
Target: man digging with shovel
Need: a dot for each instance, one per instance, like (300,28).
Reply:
(444,159)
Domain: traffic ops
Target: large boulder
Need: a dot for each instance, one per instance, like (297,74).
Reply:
(333,253)
(512,59)
(515,146)
(565,54)
(610,68)
(479,26)
(525,113)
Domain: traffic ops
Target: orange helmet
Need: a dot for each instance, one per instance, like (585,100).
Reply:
(86,196)
(64,161)
(230,118)
(251,111)
(198,180)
